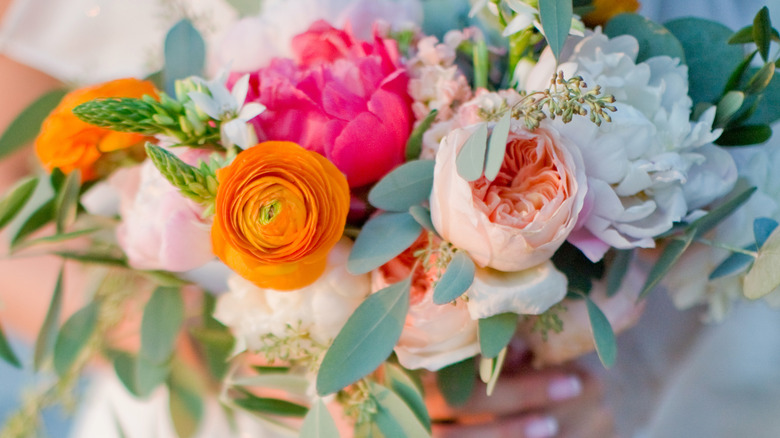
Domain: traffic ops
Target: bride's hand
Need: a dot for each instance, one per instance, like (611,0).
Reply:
(527,403)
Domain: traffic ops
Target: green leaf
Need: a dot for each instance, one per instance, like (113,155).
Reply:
(185,54)
(318,423)
(481,64)
(729,104)
(47,335)
(125,369)
(603,336)
(764,276)
(217,345)
(55,238)
(617,270)
(742,36)
(471,157)
(163,315)
(271,406)
(556,16)
(40,217)
(495,332)
(246,8)
(381,239)
(186,408)
(149,375)
(366,340)
(15,199)
(402,385)
(718,214)
(708,70)
(407,185)
(766,106)
(6,352)
(414,144)
(456,382)
(653,39)
(291,383)
(669,257)
(73,337)
(736,76)
(735,263)
(66,205)
(762,229)
(25,127)
(394,417)
(744,135)
(761,79)
(762,32)
(497,147)
(423,217)
(96,258)
(456,279)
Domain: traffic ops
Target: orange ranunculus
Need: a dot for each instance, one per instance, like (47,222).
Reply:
(603,10)
(67,143)
(279,211)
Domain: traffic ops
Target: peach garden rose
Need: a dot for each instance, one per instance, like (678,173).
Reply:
(521,218)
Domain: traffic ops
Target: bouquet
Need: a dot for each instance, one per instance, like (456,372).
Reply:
(375,195)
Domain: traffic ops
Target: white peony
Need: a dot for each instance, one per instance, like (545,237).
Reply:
(639,164)
(315,313)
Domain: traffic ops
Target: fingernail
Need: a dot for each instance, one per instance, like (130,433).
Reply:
(546,427)
(563,388)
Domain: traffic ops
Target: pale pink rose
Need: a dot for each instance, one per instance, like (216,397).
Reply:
(160,228)
(434,336)
(521,218)
(622,310)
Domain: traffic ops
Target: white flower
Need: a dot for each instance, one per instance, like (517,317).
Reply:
(317,311)
(525,16)
(639,164)
(229,107)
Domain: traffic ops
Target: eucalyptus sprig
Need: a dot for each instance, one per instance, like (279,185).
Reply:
(564,98)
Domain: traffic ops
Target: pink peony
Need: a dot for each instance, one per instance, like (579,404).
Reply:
(343,98)
(160,228)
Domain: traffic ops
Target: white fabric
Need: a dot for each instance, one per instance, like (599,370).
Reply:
(88,41)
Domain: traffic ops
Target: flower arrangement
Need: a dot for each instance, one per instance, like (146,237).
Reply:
(360,207)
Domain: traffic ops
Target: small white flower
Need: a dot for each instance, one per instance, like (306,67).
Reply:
(229,107)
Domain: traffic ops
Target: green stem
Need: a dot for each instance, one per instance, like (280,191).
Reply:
(728,247)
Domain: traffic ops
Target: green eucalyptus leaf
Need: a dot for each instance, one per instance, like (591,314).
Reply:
(497,147)
(55,238)
(719,213)
(185,54)
(15,199)
(47,335)
(125,369)
(556,16)
(40,217)
(669,257)
(149,375)
(764,276)
(763,227)
(381,240)
(217,344)
(73,337)
(617,270)
(271,406)
(423,217)
(290,383)
(402,385)
(407,185)
(653,39)
(745,135)
(414,144)
(495,332)
(162,319)
(6,352)
(318,423)
(186,408)
(735,263)
(96,258)
(762,32)
(67,201)
(25,127)
(366,340)
(471,157)
(456,280)
(729,104)
(708,70)
(456,381)
(394,417)
(603,336)
(761,79)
